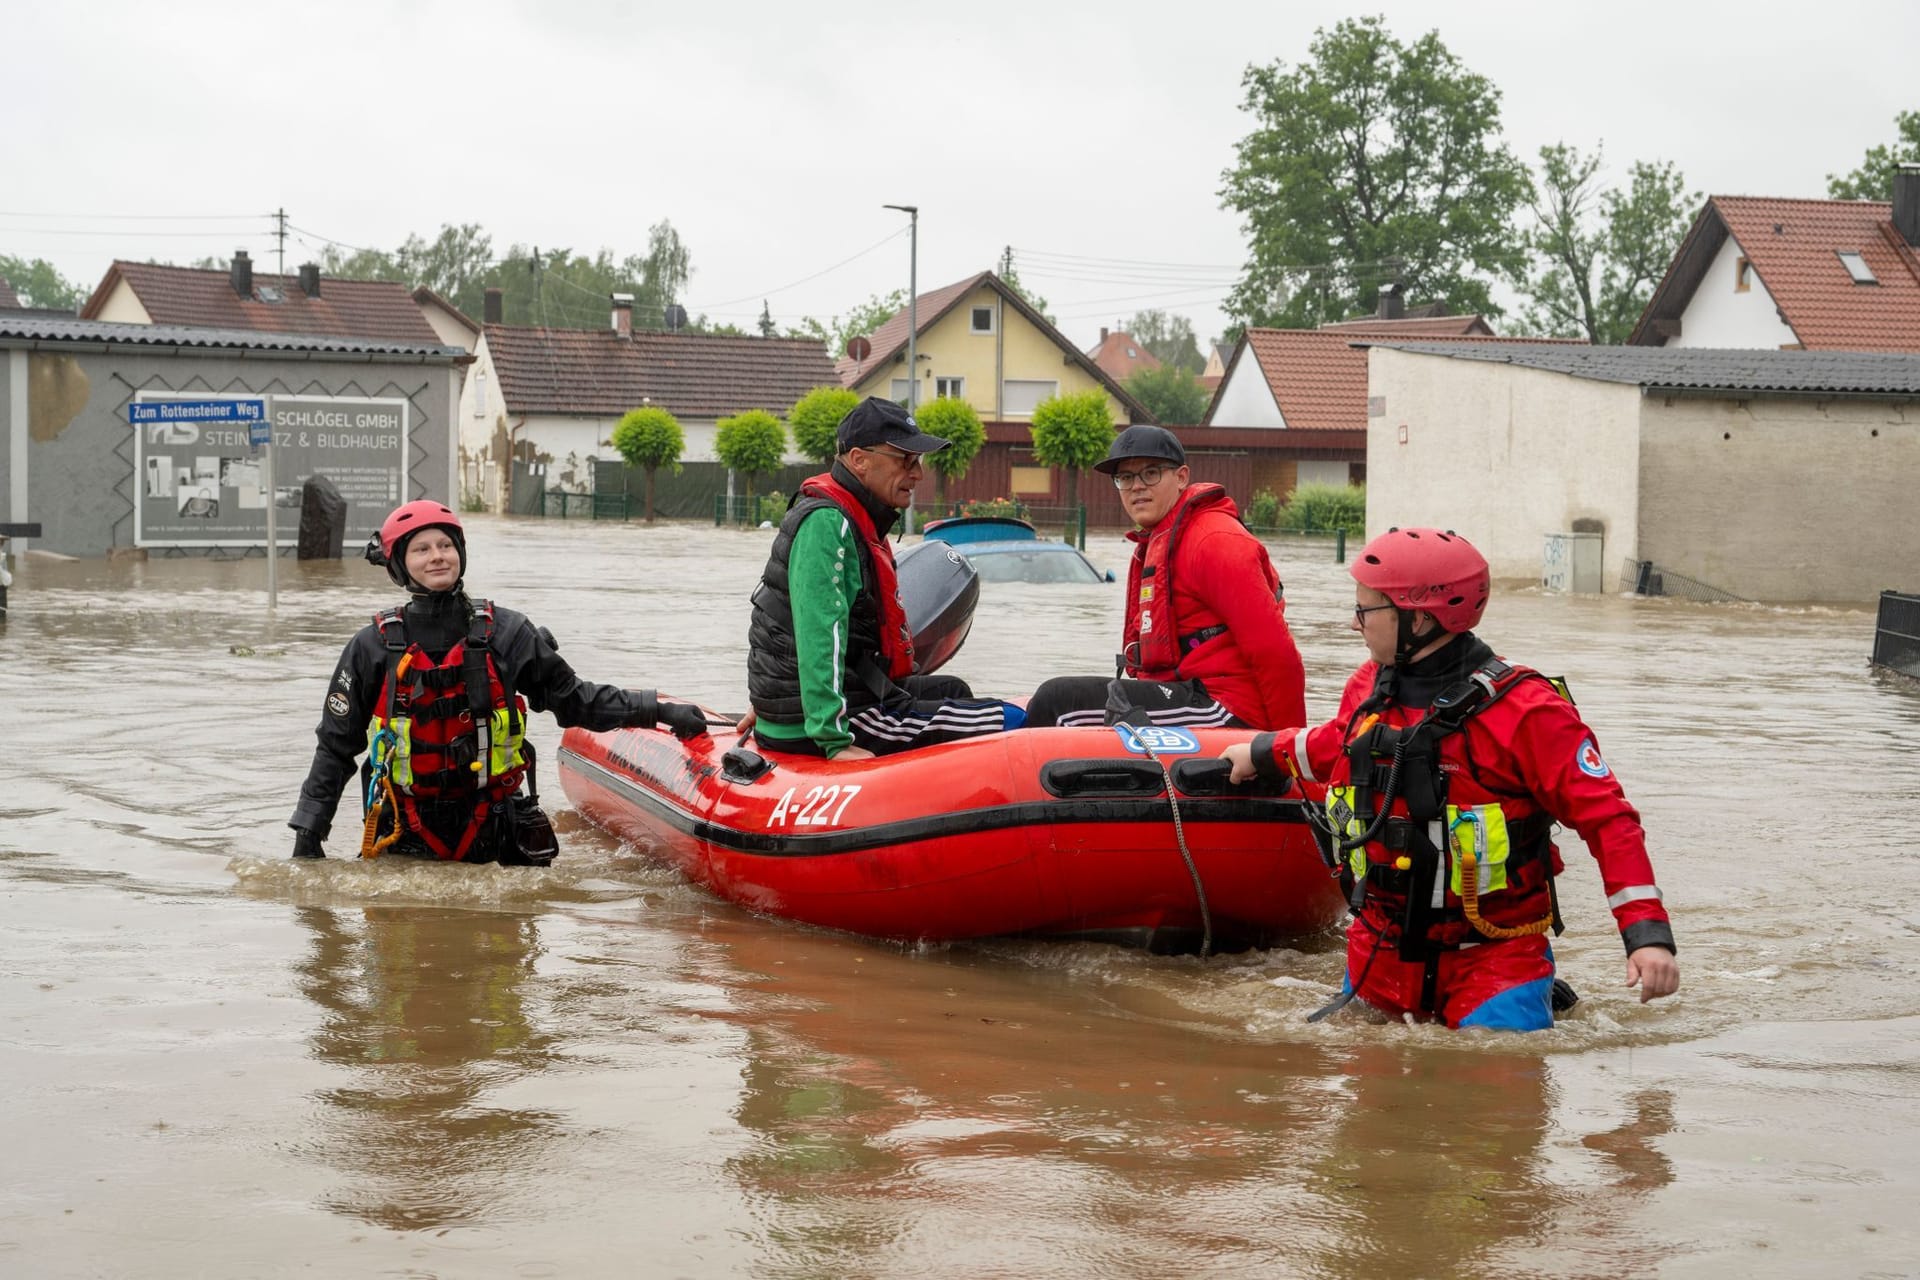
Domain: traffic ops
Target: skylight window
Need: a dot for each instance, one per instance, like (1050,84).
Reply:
(1857,267)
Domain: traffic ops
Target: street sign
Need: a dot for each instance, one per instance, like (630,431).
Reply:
(199,411)
(259,433)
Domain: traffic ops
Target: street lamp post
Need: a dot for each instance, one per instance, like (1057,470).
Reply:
(913,300)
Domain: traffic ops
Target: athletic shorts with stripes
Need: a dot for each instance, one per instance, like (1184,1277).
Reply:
(1077,701)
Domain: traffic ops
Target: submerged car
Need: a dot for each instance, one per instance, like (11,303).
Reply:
(1003,549)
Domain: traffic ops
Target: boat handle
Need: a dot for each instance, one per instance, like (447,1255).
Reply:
(1102,777)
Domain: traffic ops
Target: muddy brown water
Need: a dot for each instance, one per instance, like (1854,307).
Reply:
(219,1062)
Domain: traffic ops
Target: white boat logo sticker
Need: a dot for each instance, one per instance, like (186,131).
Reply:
(1163,740)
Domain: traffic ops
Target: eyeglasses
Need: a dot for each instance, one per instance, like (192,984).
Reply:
(907,461)
(1360,612)
(1148,476)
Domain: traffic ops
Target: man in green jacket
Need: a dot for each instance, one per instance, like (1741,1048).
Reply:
(829,654)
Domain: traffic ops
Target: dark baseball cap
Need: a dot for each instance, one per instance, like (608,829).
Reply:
(1143,442)
(875,422)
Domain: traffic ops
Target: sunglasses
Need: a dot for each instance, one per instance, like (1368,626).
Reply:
(909,461)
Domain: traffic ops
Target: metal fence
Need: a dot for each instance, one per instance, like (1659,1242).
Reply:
(1650,579)
(1896,634)
(561,505)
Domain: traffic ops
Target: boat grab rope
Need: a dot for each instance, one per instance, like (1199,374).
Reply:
(1180,837)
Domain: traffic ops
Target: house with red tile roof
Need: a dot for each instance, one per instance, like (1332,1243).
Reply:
(554,395)
(455,327)
(241,300)
(1121,356)
(980,341)
(1294,402)
(1815,275)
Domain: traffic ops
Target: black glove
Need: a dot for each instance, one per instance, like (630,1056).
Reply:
(306,844)
(685,719)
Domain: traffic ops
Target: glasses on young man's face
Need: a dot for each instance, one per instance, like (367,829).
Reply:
(1360,612)
(907,461)
(1148,476)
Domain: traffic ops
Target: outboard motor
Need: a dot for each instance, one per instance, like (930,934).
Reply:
(939,590)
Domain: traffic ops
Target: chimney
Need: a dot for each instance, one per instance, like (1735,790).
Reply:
(310,279)
(241,276)
(623,314)
(490,310)
(1906,203)
(1103,333)
(1392,305)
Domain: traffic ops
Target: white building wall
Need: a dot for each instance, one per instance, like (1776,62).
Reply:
(1246,400)
(1721,315)
(1503,455)
(451,332)
(1782,500)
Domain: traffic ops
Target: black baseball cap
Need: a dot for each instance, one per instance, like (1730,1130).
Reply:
(875,422)
(1143,441)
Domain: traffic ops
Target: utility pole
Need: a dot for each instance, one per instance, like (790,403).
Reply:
(913,301)
(280,219)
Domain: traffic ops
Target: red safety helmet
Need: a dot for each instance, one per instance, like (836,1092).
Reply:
(1433,570)
(391,542)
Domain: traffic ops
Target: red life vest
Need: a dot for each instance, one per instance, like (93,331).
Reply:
(896,640)
(431,739)
(1153,643)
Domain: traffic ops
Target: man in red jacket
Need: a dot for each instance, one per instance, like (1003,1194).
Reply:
(1206,643)
(1446,769)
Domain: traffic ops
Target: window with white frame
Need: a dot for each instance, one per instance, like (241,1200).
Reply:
(1020,396)
(480,393)
(983,320)
(898,391)
(955,387)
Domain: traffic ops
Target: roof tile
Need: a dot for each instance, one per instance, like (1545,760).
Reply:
(691,375)
(372,309)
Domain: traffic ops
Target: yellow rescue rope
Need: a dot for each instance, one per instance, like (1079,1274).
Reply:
(1470,902)
(372,844)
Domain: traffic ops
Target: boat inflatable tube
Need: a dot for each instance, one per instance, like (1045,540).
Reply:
(1054,833)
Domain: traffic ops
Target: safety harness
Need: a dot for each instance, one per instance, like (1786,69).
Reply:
(451,731)
(1389,764)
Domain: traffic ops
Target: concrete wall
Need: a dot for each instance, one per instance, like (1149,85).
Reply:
(1782,500)
(1503,455)
(1721,315)
(70,449)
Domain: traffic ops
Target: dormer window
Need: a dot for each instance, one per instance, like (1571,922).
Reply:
(269,293)
(1857,266)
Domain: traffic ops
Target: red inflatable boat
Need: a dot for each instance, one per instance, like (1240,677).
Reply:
(1065,833)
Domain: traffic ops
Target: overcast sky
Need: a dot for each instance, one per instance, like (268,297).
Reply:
(1089,138)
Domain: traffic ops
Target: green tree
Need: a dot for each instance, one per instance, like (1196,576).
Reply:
(37,283)
(1074,431)
(1374,161)
(1598,252)
(650,438)
(862,319)
(668,265)
(452,264)
(953,420)
(1171,394)
(1873,180)
(753,443)
(815,419)
(1169,337)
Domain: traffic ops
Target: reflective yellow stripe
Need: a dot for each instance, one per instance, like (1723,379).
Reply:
(1347,824)
(395,753)
(1480,830)
(503,742)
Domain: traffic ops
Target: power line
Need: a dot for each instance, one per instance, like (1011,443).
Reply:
(141,217)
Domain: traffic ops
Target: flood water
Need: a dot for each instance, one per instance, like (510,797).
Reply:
(218,1062)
